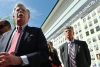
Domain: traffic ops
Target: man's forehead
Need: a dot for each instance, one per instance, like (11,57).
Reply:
(67,29)
(20,7)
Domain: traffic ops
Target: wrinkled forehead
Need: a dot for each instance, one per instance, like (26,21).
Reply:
(68,29)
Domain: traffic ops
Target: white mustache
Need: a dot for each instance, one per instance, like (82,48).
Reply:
(20,14)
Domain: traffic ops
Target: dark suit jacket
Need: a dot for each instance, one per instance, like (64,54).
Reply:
(32,44)
(82,54)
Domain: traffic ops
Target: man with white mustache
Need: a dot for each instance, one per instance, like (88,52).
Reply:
(23,46)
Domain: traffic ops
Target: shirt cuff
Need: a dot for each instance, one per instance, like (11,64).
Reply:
(25,60)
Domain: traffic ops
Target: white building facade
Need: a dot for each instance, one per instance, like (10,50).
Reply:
(84,16)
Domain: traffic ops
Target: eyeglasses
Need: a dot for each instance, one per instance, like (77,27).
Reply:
(1,26)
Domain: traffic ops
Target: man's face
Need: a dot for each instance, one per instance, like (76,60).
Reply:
(69,33)
(20,15)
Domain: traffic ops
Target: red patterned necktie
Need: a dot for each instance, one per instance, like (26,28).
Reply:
(72,56)
(14,41)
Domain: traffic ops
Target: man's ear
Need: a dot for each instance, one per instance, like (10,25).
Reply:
(28,16)
(73,33)
(13,16)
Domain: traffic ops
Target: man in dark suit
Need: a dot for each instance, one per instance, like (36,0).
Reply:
(78,54)
(30,49)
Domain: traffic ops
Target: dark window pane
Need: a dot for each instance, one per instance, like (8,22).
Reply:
(95,21)
(97,28)
(99,36)
(87,33)
(92,31)
(94,39)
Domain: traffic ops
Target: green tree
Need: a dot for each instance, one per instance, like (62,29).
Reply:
(0,18)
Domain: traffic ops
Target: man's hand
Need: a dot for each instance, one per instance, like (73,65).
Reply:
(7,59)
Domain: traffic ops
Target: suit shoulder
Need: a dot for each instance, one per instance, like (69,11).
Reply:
(80,41)
(63,45)
(6,33)
(35,28)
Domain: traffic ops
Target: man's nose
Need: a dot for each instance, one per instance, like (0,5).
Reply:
(68,32)
(20,10)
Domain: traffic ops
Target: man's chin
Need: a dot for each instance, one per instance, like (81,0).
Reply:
(68,37)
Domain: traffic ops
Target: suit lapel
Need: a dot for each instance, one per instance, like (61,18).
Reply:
(65,54)
(66,48)
(26,35)
(76,47)
(23,38)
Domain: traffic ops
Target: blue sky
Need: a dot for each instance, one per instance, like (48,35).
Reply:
(39,9)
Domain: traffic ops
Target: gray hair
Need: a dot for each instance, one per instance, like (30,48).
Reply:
(15,7)
(28,11)
(68,27)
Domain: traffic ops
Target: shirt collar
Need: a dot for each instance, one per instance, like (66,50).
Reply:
(22,26)
(70,41)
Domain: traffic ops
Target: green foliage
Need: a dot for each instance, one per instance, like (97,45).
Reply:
(0,18)
(7,17)
(13,22)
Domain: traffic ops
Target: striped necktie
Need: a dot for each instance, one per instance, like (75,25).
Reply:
(72,55)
